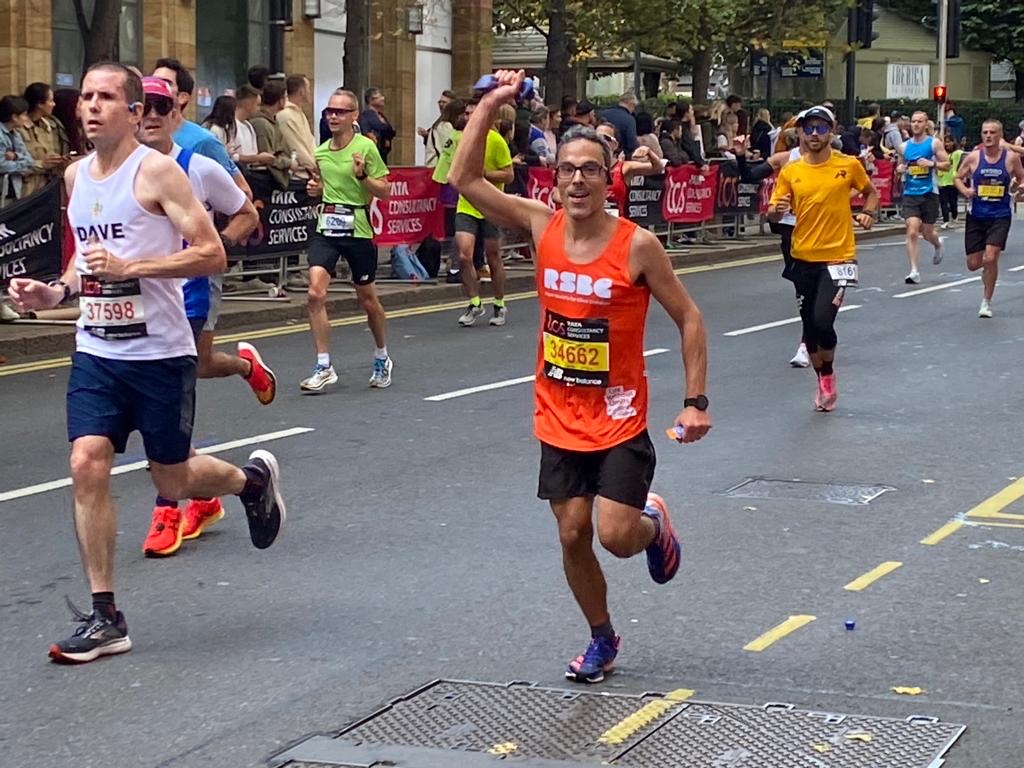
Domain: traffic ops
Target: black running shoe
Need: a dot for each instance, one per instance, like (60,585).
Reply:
(98,636)
(266,512)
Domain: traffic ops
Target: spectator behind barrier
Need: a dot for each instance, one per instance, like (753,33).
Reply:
(268,135)
(296,133)
(16,159)
(621,116)
(247,104)
(257,76)
(375,124)
(645,136)
(432,141)
(66,110)
(221,123)
(45,139)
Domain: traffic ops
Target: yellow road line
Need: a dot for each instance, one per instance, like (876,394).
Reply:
(643,717)
(994,505)
(948,529)
(286,330)
(869,578)
(773,635)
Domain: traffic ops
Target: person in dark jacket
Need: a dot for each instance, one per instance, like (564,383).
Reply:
(688,142)
(671,133)
(621,116)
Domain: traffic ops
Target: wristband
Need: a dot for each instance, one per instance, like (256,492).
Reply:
(227,242)
(364,177)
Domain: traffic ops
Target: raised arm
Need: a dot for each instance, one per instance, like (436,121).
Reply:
(643,163)
(467,171)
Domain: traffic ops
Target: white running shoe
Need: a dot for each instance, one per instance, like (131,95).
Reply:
(469,317)
(801,359)
(940,251)
(322,376)
(945,225)
(500,316)
(381,377)
(984,310)
(913,278)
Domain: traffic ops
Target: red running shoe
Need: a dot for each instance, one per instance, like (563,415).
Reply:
(164,537)
(261,379)
(198,515)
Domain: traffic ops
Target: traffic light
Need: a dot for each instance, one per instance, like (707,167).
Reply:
(867,15)
(939,93)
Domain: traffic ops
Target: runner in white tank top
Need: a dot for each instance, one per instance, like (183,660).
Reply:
(775,163)
(135,367)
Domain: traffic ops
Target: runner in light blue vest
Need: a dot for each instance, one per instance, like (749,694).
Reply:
(922,155)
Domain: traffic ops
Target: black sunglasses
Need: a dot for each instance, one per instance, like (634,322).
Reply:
(338,111)
(162,106)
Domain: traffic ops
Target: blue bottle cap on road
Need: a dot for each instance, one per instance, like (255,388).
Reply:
(850,624)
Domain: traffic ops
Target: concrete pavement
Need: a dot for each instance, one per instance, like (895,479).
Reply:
(415,547)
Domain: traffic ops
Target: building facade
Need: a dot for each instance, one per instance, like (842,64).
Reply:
(43,40)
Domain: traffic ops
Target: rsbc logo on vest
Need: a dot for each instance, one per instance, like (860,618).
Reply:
(579,285)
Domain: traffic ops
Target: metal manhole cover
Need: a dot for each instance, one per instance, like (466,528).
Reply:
(801,490)
(476,725)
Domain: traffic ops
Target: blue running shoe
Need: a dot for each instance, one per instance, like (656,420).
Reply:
(663,552)
(590,666)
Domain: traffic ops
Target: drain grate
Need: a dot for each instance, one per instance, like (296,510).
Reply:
(800,490)
(473,725)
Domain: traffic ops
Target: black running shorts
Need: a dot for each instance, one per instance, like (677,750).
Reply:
(359,252)
(923,207)
(982,232)
(622,473)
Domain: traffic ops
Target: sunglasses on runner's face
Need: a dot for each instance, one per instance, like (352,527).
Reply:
(590,171)
(816,128)
(338,111)
(163,107)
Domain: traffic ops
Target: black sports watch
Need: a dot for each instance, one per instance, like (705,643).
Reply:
(700,402)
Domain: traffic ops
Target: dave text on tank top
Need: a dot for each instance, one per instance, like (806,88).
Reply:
(919,180)
(991,183)
(591,385)
(136,319)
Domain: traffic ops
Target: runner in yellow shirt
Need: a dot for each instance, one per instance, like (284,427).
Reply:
(817,189)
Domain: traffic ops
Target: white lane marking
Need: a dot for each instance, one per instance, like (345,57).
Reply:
(932,288)
(506,383)
(778,323)
(881,245)
(134,466)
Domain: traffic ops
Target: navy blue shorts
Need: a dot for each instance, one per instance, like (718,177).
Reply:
(113,398)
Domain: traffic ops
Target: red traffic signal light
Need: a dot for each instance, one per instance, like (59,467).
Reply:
(939,94)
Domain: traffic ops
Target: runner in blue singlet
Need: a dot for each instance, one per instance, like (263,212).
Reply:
(992,172)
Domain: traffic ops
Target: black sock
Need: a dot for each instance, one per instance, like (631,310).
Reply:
(826,368)
(254,484)
(603,630)
(103,604)
(162,502)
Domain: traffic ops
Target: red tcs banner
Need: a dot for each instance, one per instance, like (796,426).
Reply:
(413,210)
(689,196)
(540,184)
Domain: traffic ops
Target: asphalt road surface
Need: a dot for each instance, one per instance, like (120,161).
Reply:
(415,547)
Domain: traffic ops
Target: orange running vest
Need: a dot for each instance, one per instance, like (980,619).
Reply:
(591,385)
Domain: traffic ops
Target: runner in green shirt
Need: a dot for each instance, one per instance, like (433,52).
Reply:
(471,227)
(949,198)
(350,173)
